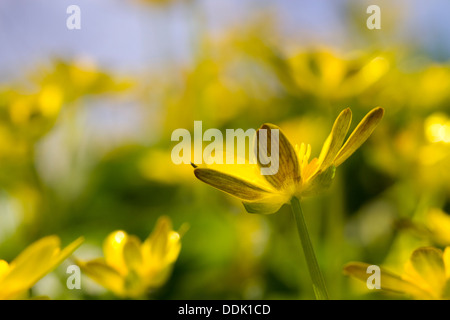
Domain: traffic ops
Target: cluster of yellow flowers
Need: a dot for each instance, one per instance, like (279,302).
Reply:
(129,268)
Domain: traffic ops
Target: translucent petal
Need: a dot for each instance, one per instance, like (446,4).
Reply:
(335,140)
(361,133)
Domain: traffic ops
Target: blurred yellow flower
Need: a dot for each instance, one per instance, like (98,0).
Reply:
(31,265)
(326,74)
(437,128)
(296,176)
(131,268)
(167,172)
(438,223)
(426,275)
(67,81)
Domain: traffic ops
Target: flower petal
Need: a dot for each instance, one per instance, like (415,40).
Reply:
(159,252)
(4,269)
(31,265)
(162,246)
(113,250)
(132,253)
(321,181)
(45,246)
(388,281)
(361,133)
(104,275)
(35,262)
(284,168)
(446,258)
(67,251)
(230,184)
(426,267)
(267,205)
(335,140)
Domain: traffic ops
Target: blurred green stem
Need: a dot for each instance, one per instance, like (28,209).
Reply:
(319,287)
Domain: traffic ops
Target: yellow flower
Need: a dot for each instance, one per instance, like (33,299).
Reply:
(426,275)
(324,73)
(31,265)
(131,268)
(296,176)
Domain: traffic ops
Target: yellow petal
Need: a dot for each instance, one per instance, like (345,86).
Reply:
(159,252)
(388,281)
(267,205)
(163,245)
(230,184)
(321,181)
(44,246)
(426,267)
(361,133)
(113,250)
(104,275)
(31,265)
(446,291)
(132,253)
(35,262)
(240,168)
(335,140)
(285,168)
(446,258)
(4,269)
(67,251)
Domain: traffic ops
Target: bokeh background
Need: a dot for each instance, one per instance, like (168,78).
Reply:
(86,118)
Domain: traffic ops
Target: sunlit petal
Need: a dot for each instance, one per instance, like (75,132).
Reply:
(336,138)
(113,250)
(361,133)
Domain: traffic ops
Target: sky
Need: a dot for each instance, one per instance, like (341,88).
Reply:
(125,35)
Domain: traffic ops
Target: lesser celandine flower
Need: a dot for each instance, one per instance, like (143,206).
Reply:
(426,275)
(131,268)
(38,259)
(297,176)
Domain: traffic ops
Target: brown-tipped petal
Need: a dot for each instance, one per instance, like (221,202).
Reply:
(388,281)
(234,186)
(281,168)
(359,135)
(336,138)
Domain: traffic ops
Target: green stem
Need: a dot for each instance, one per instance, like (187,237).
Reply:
(319,287)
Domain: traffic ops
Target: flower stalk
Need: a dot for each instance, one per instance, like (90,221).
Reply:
(319,287)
